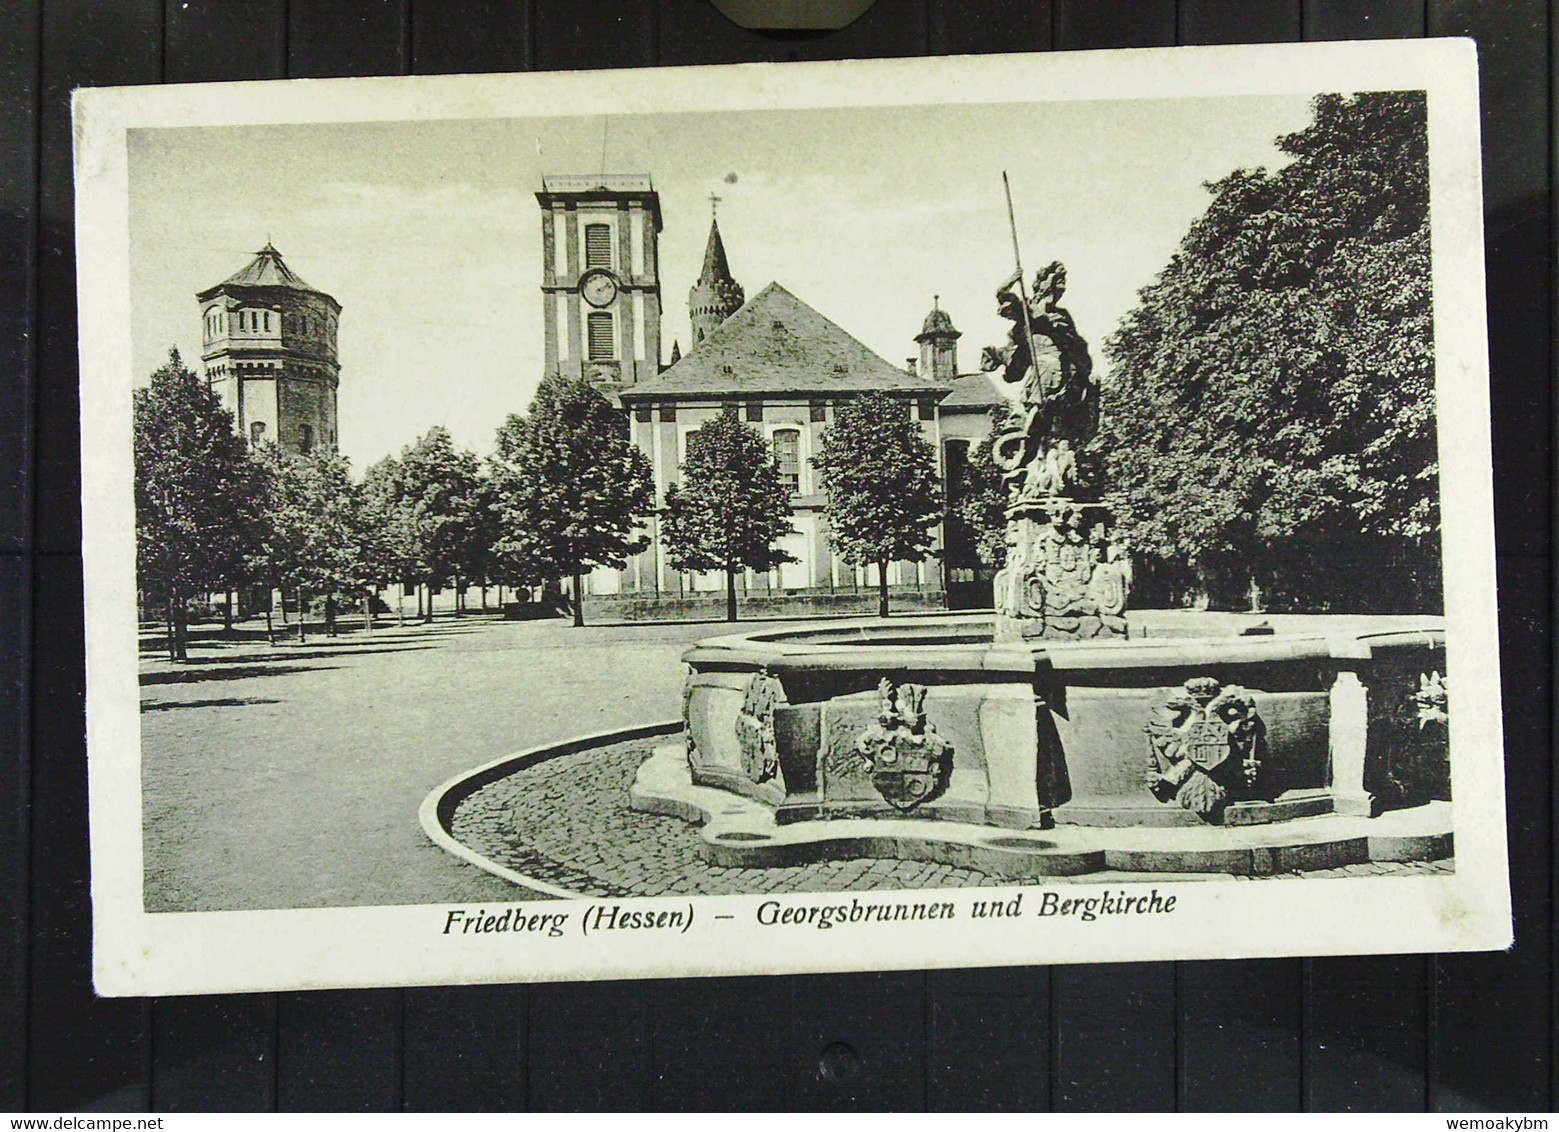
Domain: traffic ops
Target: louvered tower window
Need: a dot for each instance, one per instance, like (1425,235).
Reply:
(598,245)
(600,334)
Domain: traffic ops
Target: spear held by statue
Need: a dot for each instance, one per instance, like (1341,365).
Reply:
(1017,261)
(1016,448)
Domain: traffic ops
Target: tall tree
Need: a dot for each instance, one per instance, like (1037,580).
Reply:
(197,511)
(313,538)
(484,532)
(571,488)
(884,497)
(438,485)
(731,506)
(386,521)
(1269,416)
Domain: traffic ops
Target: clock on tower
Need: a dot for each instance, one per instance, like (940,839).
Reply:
(600,281)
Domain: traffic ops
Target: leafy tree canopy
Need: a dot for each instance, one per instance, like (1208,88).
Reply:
(437,495)
(1269,412)
(570,487)
(198,511)
(731,507)
(387,525)
(884,497)
(315,530)
(981,505)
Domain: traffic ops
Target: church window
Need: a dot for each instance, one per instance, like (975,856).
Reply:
(755,410)
(819,412)
(598,245)
(641,413)
(927,410)
(668,412)
(787,455)
(955,460)
(306,442)
(601,334)
(257,433)
(267,320)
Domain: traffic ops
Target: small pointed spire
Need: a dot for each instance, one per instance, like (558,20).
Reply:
(716,296)
(676,351)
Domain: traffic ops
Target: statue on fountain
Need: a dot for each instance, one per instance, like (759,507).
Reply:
(1066,576)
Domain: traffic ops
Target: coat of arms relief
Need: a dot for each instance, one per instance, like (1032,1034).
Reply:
(1206,744)
(909,762)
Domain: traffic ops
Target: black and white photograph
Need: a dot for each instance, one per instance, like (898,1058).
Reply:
(880,515)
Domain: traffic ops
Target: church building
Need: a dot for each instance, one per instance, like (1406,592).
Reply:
(269,350)
(773,361)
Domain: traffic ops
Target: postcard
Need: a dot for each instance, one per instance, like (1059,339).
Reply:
(788,517)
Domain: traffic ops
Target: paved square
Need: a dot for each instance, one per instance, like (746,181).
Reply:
(289,776)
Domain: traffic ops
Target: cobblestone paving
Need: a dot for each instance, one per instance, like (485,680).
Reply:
(566,821)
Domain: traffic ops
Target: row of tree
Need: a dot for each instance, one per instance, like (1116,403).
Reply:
(1269,417)
(565,491)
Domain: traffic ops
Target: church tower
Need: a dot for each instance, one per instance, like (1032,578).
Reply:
(600,278)
(716,296)
(269,348)
(938,345)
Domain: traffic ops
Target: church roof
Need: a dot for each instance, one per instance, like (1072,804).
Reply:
(266,270)
(778,344)
(972,393)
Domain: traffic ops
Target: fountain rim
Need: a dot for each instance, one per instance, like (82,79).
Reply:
(872,644)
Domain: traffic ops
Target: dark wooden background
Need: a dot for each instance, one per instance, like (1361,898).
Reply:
(1378,1033)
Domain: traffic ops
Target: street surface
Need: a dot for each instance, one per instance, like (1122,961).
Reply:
(289,776)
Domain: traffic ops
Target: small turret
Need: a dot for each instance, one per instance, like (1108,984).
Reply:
(716,296)
(938,344)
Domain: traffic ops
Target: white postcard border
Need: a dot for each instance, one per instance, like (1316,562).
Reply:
(138,953)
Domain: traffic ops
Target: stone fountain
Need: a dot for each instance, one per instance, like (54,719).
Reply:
(1071,735)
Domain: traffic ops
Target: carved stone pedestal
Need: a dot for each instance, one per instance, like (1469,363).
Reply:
(1065,577)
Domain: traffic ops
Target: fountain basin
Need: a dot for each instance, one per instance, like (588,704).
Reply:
(1025,735)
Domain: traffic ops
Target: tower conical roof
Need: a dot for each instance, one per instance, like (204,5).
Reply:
(716,296)
(268,270)
(716,269)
